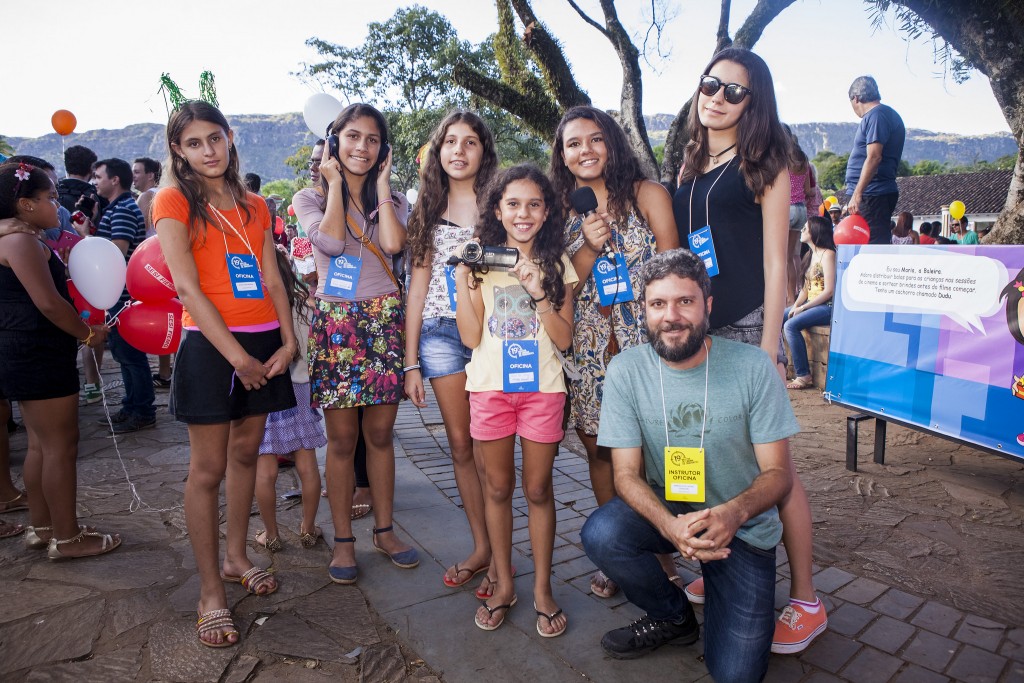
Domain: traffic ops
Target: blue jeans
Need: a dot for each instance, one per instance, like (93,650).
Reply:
(818,315)
(739,606)
(138,381)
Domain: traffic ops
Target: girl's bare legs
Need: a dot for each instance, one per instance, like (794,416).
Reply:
(379,433)
(538,461)
(342,430)
(50,475)
(798,536)
(309,478)
(453,400)
(266,493)
(499,483)
(243,447)
(599,459)
(207,466)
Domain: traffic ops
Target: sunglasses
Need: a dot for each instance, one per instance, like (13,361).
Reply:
(734,92)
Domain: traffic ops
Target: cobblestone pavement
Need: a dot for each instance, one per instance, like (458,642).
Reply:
(882,550)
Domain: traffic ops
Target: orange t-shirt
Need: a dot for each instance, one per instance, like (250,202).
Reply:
(211,257)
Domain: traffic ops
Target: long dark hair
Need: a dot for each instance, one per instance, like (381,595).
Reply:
(294,286)
(904,224)
(797,158)
(820,230)
(368,195)
(549,243)
(433,195)
(1012,292)
(762,145)
(622,170)
(188,182)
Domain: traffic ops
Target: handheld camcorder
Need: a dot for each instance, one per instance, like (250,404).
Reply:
(478,256)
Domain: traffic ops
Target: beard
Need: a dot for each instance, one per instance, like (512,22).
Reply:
(684,349)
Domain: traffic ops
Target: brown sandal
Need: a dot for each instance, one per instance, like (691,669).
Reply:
(309,539)
(273,545)
(216,620)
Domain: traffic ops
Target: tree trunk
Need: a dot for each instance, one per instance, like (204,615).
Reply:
(538,114)
(989,36)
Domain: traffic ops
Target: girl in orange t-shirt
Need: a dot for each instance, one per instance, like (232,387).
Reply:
(232,367)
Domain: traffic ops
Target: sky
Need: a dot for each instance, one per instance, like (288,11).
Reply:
(103,61)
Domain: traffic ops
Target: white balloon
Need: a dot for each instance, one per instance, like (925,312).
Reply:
(320,110)
(98,270)
(412,195)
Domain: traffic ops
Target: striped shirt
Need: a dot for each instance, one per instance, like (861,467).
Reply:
(123,221)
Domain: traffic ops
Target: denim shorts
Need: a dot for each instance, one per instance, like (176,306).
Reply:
(441,349)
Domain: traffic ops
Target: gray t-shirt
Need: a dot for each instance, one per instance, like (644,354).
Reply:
(747,404)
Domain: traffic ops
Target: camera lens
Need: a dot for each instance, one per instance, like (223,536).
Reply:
(472,252)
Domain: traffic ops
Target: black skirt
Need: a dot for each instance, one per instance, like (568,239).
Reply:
(37,367)
(205,390)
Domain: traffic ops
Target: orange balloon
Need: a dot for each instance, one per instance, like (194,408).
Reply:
(63,122)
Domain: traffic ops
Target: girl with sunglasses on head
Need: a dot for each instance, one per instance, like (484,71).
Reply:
(231,368)
(632,221)
(732,209)
(459,162)
(356,344)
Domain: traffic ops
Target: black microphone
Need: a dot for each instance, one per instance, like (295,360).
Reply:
(584,202)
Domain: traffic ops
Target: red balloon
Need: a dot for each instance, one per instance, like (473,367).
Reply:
(153,327)
(89,313)
(278,226)
(852,230)
(291,210)
(149,278)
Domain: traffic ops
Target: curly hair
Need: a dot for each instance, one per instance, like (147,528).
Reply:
(549,243)
(762,145)
(13,188)
(622,170)
(294,286)
(187,181)
(433,194)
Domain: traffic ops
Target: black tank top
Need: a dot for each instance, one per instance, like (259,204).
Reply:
(737,232)
(17,312)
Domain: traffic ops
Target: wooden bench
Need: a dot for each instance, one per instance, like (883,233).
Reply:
(817,339)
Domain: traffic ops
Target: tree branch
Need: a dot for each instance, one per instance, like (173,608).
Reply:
(722,39)
(549,58)
(587,19)
(762,15)
(539,114)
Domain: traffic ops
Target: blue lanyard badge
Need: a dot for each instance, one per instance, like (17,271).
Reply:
(244,273)
(449,276)
(343,275)
(703,246)
(520,366)
(612,280)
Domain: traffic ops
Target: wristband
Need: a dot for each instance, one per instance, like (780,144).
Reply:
(537,301)
(373,214)
(411,367)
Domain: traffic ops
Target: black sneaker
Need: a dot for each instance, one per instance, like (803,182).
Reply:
(133,423)
(646,635)
(160,383)
(117,418)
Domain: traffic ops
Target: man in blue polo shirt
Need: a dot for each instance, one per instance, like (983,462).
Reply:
(124,225)
(871,170)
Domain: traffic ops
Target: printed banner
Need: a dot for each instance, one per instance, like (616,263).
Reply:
(933,336)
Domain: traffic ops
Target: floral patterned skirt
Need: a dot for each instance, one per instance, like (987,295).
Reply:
(356,352)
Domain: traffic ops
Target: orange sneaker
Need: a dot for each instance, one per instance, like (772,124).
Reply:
(695,591)
(797,627)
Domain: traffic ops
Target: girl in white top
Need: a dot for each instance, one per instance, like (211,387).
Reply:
(516,321)
(460,161)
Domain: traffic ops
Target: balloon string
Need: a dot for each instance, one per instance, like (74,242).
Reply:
(136,503)
(112,320)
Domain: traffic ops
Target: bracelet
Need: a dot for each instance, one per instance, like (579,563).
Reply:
(92,333)
(537,301)
(407,368)
(546,310)
(373,214)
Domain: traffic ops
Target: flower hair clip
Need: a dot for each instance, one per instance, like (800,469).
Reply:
(22,174)
(1019,286)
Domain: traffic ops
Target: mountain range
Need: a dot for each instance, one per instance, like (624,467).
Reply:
(265,141)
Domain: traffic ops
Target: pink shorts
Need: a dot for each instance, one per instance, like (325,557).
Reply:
(535,416)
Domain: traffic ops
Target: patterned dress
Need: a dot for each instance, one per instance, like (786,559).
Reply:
(593,346)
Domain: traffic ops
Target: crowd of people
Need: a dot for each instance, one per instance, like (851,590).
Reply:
(587,296)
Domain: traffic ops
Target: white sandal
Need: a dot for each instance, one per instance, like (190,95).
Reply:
(110,542)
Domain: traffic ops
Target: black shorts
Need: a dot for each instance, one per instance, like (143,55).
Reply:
(204,389)
(37,367)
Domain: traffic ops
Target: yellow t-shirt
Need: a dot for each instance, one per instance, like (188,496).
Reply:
(512,318)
